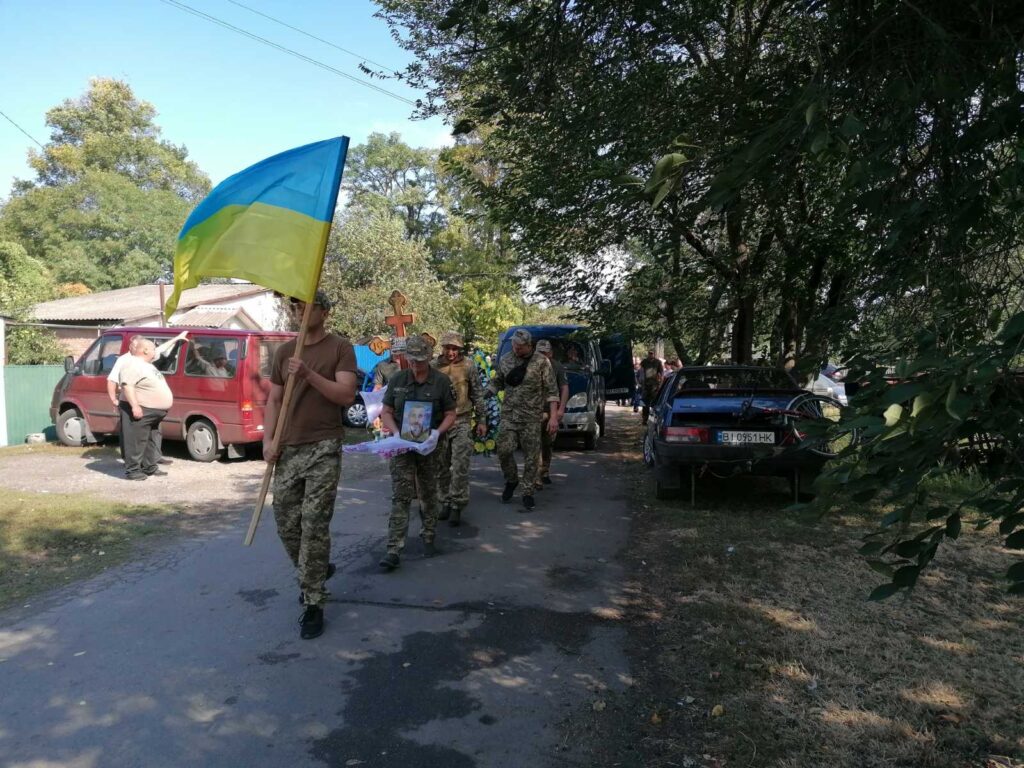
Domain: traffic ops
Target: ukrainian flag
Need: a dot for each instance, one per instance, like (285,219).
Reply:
(267,224)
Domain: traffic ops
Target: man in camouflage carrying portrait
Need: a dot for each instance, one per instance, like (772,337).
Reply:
(530,392)
(454,456)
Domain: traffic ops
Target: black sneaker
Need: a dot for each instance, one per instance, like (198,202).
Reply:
(445,513)
(134,477)
(331,568)
(529,503)
(390,561)
(510,488)
(157,473)
(164,460)
(430,549)
(546,480)
(312,622)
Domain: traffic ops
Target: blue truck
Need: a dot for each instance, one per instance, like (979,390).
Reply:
(587,370)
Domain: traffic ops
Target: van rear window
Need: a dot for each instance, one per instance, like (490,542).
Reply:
(268,348)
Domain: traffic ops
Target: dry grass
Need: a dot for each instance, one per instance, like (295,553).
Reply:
(47,539)
(765,614)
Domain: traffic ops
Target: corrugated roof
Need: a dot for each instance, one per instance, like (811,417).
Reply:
(212,317)
(127,304)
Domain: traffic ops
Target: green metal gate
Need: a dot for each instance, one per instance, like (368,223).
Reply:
(29,389)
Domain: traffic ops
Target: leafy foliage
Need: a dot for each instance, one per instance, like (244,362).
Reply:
(368,256)
(24,281)
(110,194)
(948,412)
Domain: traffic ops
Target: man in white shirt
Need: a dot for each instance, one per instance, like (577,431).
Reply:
(113,385)
(148,398)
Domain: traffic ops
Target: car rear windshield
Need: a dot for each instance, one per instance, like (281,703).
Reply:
(701,380)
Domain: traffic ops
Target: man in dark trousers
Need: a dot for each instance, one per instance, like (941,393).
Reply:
(420,387)
(309,459)
(147,398)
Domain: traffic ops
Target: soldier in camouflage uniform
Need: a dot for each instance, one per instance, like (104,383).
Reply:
(547,440)
(420,383)
(455,455)
(530,391)
(385,370)
(308,457)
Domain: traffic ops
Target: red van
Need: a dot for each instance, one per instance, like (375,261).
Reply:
(220,380)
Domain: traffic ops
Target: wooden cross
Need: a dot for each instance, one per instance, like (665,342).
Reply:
(399,320)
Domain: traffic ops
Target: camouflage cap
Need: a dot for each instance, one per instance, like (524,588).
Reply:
(429,339)
(452,339)
(543,345)
(416,348)
(522,336)
(322,299)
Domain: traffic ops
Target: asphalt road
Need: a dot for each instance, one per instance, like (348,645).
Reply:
(192,656)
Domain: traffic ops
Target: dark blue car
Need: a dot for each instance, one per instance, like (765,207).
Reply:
(724,420)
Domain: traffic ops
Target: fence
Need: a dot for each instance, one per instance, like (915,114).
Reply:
(28,389)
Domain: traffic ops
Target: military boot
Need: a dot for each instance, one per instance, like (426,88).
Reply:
(446,512)
(456,520)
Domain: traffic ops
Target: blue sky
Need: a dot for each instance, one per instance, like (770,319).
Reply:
(230,100)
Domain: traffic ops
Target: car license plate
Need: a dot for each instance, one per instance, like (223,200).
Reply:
(746,438)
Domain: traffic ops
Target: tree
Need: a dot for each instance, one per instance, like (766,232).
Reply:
(109,129)
(826,174)
(368,257)
(110,196)
(387,168)
(23,282)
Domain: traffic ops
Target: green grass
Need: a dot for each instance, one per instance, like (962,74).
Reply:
(48,540)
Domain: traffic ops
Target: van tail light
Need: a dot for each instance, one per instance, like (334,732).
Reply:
(246,409)
(684,434)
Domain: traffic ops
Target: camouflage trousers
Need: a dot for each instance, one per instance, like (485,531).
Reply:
(453,465)
(411,472)
(527,437)
(547,442)
(305,486)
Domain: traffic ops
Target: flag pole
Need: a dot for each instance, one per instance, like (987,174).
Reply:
(289,387)
(282,418)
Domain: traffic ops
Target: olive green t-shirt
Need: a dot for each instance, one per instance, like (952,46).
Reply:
(436,390)
(313,417)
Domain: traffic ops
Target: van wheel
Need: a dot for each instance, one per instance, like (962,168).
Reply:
(201,441)
(71,428)
(590,440)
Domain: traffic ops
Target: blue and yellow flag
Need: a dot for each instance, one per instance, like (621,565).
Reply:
(268,224)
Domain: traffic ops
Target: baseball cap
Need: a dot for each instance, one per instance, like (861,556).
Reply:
(452,339)
(543,345)
(521,336)
(418,349)
(321,299)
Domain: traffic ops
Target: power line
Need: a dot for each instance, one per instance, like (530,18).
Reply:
(283,49)
(314,37)
(9,120)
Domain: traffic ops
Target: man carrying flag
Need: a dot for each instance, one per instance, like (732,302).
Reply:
(270,224)
(309,465)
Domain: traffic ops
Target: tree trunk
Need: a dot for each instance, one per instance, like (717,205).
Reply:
(743,330)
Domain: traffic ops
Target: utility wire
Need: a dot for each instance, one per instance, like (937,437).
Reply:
(289,51)
(21,129)
(314,37)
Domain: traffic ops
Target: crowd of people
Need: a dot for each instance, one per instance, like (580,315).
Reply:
(442,388)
